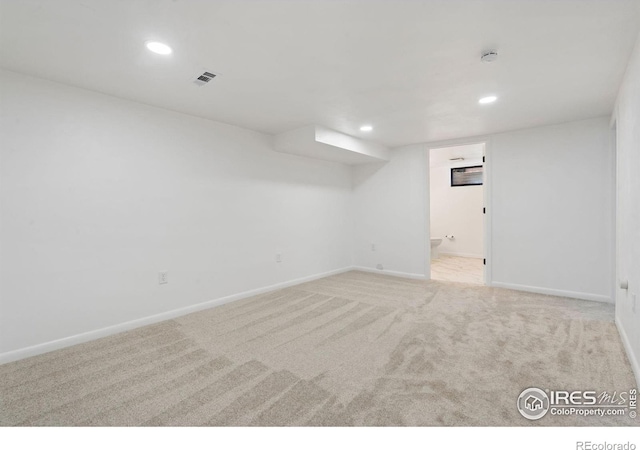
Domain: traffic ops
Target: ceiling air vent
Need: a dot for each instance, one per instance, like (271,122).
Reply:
(204,78)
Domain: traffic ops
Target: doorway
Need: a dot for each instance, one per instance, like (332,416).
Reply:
(457,180)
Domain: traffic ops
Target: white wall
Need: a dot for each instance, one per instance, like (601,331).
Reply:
(456,211)
(98,194)
(390,212)
(550,200)
(628,210)
(552,191)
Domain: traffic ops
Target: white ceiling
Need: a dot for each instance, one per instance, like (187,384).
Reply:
(410,68)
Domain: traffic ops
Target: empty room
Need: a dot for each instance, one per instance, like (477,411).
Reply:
(319,213)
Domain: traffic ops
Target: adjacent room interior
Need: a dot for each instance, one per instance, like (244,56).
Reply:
(457,211)
(283,213)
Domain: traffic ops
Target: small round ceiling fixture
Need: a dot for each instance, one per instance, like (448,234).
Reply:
(489,56)
(487,100)
(159,48)
(366,128)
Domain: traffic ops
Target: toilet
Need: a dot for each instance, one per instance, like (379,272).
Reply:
(435,242)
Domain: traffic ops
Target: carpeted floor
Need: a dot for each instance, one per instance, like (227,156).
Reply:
(351,349)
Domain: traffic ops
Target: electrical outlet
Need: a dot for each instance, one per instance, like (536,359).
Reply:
(379,267)
(278,257)
(373,247)
(163,277)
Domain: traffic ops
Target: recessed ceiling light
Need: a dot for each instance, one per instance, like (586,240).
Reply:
(366,128)
(489,99)
(159,48)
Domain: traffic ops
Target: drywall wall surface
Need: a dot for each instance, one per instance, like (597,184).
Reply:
(628,209)
(551,197)
(389,213)
(98,195)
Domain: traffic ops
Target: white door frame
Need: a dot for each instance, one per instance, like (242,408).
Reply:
(487,178)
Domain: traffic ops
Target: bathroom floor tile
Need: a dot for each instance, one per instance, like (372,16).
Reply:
(457,268)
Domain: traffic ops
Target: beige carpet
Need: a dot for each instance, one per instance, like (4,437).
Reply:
(352,349)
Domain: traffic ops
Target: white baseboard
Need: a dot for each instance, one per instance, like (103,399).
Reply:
(463,255)
(413,276)
(57,344)
(556,292)
(627,346)
(69,341)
